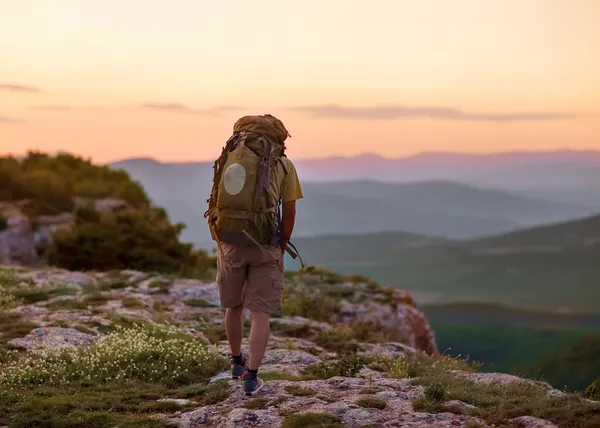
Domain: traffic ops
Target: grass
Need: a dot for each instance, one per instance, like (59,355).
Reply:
(206,394)
(275,375)
(96,299)
(132,303)
(370,390)
(371,402)
(309,303)
(497,404)
(68,304)
(312,420)
(12,326)
(327,399)
(345,365)
(199,303)
(299,391)
(341,339)
(257,403)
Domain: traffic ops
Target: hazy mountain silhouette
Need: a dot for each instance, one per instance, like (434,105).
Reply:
(341,196)
(550,267)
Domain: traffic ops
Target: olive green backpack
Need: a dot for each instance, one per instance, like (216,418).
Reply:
(240,209)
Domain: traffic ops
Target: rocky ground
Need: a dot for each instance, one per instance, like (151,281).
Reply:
(132,349)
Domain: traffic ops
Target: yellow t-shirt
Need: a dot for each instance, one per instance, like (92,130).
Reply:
(285,187)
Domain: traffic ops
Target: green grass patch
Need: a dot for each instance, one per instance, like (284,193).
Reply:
(497,404)
(299,391)
(370,390)
(12,326)
(257,403)
(303,301)
(275,375)
(132,303)
(345,365)
(96,299)
(371,402)
(199,303)
(340,339)
(312,420)
(67,304)
(206,394)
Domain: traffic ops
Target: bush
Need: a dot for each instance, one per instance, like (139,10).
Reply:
(3,223)
(50,183)
(128,239)
(593,390)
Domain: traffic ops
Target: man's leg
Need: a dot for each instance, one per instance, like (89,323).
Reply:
(259,337)
(231,277)
(263,296)
(234,326)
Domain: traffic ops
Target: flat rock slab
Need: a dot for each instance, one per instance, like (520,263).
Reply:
(54,338)
(531,422)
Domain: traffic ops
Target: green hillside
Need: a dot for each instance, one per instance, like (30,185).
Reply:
(555,267)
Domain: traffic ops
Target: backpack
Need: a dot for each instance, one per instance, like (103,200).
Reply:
(240,209)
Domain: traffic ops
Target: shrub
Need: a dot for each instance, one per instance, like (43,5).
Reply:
(3,223)
(593,390)
(128,239)
(306,303)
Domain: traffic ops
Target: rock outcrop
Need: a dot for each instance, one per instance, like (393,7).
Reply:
(307,372)
(23,242)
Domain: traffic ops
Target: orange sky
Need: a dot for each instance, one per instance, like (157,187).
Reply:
(116,79)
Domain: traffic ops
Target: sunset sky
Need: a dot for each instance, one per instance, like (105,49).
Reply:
(114,79)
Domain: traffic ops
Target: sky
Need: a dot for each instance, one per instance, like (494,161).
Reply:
(115,79)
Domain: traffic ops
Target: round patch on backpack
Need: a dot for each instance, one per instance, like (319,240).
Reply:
(234,179)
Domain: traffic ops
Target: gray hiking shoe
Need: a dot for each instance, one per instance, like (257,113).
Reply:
(238,370)
(252,384)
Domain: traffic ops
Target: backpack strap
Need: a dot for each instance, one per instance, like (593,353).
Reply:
(294,254)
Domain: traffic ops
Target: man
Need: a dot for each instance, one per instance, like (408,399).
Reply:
(251,214)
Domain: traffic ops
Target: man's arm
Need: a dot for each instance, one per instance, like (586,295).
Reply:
(288,218)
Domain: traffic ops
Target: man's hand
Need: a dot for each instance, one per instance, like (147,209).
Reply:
(288,216)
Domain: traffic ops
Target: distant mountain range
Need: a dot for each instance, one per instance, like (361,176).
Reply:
(553,267)
(439,194)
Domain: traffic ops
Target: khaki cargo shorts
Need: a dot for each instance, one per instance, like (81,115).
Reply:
(251,276)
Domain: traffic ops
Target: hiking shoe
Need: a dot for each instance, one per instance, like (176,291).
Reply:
(238,370)
(252,385)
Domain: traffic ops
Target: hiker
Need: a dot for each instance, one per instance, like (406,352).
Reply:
(251,216)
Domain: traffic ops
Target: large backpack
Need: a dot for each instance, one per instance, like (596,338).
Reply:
(240,209)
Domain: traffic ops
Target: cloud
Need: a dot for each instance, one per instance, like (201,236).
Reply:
(9,120)
(52,107)
(175,107)
(10,87)
(181,108)
(399,112)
